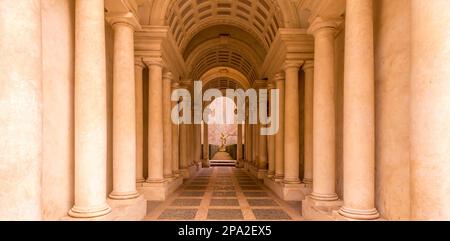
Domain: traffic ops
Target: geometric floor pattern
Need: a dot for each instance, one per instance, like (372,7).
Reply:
(224,193)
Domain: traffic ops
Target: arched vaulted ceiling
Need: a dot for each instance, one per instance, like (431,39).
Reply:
(261,18)
(224,51)
(235,34)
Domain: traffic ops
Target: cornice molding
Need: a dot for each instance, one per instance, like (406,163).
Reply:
(157,41)
(290,45)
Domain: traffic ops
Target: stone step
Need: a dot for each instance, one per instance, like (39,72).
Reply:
(222,163)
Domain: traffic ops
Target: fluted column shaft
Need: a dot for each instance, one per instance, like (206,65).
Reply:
(308,68)
(21,110)
(324,121)
(90,111)
(292,125)
(430,110)
(156,123)
(279,137)
(124,112)
(167,118)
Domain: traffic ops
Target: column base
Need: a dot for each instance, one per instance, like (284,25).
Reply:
(95,214)
(140,180)
(278,178)
(318,210)
(288,192)
(128,210)
(348,214)
(260,174)
(190,172)
(124,196)
(205,163)
(159,191)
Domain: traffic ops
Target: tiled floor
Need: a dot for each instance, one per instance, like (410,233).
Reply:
(224,193)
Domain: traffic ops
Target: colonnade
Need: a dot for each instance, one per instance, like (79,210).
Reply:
(173,149)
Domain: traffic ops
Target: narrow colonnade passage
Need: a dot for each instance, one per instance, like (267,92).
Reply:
(224,193)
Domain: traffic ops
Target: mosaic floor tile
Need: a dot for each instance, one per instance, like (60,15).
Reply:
(225,214)
(224,202)
(271,214)
(256,194)
(192,194)
(186,202)
(262,202)
(178,214)
(224,194)
(251,188)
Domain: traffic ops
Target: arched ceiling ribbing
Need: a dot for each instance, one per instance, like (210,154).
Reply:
(261,18)
(224,52)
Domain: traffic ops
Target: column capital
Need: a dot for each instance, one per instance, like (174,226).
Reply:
(280,77)
(320,23)
(293,64)
(153,61)
(175,85)
(271,85)
(309,64)
(168,75)
(139,63)
(128,19)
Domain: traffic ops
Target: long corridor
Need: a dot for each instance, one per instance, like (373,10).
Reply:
(224,193)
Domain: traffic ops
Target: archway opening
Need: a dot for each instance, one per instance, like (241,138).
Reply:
(221,132)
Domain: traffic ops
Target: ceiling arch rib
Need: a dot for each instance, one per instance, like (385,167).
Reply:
(224,57)
(261,18)
(224,52)
(225,72)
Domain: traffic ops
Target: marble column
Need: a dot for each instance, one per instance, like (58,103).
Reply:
(90,111)
(167,118)
(262,161)
(198,143)
(430,110)
(271,140)
(279,137)
(124,110)
(205,145)
(190,144)
(262,142)
(256,146)
(156,123)
(21,110)
(324,123)
(239,146)
(184,155)
(292,124)
(175,139)
(359,113)
(308,68)
(139,67)
(248,144)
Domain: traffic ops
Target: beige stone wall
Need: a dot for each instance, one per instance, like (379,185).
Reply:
(392,76)
(58,125)
(339,70)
